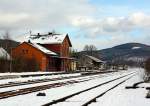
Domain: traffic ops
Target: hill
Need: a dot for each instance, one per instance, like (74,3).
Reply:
(8,44)
(129,52)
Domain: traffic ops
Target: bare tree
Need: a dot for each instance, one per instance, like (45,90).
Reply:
(6,35)
(86,48)
(7,47)
(7,38)
(90,49)
(147,69)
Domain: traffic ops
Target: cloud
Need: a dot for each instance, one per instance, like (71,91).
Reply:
(8,19)
(40,14)
(78,14)
(140,19)
(113,25)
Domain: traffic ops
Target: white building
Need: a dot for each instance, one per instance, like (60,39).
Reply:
(4,54)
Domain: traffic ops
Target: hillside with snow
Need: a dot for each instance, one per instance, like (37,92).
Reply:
(129,52)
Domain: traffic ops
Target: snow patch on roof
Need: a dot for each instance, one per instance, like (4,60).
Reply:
(4,54)
(43,49)
(48,38)
(136,47)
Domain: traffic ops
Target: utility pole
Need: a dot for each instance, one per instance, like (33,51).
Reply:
(30,32)
(10,60)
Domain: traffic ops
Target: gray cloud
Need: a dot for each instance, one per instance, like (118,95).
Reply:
(113,25)
(36,14)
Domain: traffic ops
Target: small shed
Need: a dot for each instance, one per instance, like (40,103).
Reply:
(91,62)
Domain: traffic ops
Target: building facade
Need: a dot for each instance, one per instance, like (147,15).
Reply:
(51,51)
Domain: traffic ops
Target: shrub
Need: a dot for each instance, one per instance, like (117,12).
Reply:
(147,69)
(21,64)
(4,65)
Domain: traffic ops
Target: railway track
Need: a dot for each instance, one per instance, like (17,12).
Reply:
(2,77)
(68,100)
(103,93)
(23,91)
(8,77)
(12,84)
(16,92)
(32,75)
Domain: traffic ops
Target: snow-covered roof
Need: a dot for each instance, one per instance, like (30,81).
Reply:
(4,54)
(50,38)
(95,59)
(43,49)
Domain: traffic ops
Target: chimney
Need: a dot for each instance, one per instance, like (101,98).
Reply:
(29,41)
(50,33)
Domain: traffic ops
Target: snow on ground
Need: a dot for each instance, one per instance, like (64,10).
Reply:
(81,99)
(136,59)
(56,93)
(20,79)
(124,97)
(28,73)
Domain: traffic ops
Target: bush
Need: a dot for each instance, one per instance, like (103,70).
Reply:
(147,69)
(4,65)
(21,64)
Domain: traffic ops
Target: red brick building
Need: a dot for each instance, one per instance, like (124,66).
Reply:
(51,51)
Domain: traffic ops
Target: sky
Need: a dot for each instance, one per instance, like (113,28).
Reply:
(103,23)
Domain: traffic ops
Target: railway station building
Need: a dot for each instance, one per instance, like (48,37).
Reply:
(51,51)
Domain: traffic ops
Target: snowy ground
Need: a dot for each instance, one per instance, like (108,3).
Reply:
(116,97)
(124,97)
(20,79)
(26,73)
(82,98)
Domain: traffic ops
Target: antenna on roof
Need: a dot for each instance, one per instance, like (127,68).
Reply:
(30,32)
(52,33)
(29,41)
(38,34)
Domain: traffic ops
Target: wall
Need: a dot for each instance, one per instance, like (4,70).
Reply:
(65,48)
(61,49)
(26,51)
(53,47)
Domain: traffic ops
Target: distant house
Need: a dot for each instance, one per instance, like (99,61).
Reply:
(4,54)
(90,62)
(51,51)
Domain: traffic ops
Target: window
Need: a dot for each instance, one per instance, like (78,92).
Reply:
(24,51)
